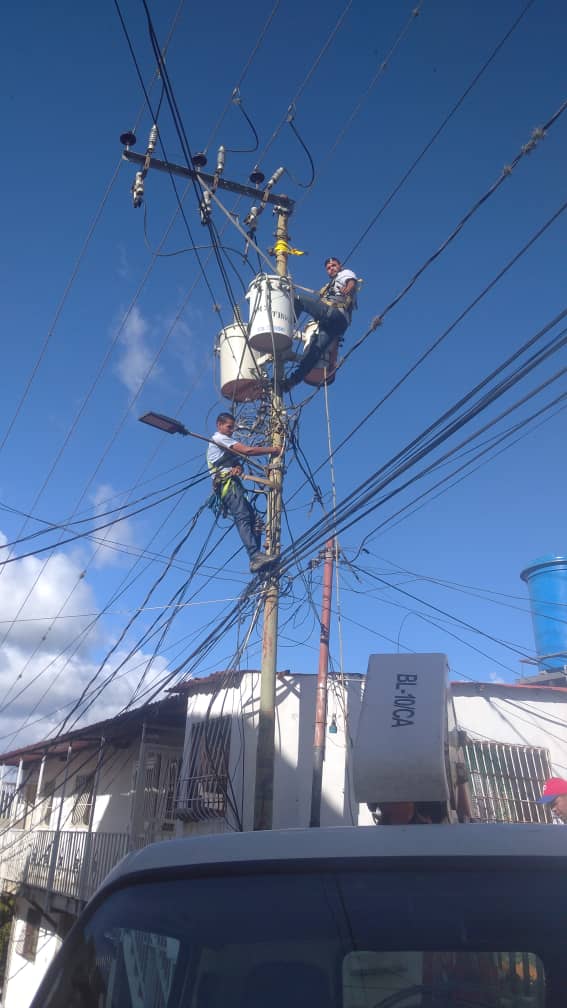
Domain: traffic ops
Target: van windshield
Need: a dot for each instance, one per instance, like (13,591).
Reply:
(306,939)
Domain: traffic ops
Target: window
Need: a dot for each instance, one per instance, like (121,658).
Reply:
(84,799)
(506,780)
(160,784)
(152,766)
(7,792)
(47,802)
(202,793)
(27,946)
(477,936)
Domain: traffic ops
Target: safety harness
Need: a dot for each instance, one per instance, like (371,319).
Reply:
(344,302)
(222,480)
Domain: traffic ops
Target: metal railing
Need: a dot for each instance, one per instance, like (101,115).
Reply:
(72,863)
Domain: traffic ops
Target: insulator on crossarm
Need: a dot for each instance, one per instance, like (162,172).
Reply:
(128,139)
(152,139)
(138,190)
(275,178)
(220,161)
(205,208)
(250,219)
(257,176)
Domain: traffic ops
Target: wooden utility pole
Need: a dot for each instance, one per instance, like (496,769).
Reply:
(283,207)
(265,754)
(322,676)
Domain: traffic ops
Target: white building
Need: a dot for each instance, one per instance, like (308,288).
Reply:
(186,765)
(517,738)
(81,802)
(216,786)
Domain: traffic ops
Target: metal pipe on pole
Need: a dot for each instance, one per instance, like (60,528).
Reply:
(322,678)
(265,753)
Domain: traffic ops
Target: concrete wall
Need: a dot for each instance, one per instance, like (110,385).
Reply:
(295,720)
(22,976)
(527,716)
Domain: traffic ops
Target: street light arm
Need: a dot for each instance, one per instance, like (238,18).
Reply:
(171,426)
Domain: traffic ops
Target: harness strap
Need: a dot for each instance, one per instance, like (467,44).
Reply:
(222,479)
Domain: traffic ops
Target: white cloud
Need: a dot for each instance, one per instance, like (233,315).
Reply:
(39,692)
(38,604)
(112,543)
(137,353)
(45,663)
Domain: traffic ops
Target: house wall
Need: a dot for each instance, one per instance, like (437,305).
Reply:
(23,976)
(112,814)
(113,804)
(527,716)
(294,729)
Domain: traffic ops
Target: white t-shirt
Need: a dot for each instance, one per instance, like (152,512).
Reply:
(338,283)
(218,453)
(335,291)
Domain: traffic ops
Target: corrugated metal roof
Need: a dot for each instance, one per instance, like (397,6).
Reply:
(169,713)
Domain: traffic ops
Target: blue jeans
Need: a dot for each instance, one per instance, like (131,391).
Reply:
(332,323)
(242,514)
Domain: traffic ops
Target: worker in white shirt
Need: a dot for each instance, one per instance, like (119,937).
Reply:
(225,467)
(332,308)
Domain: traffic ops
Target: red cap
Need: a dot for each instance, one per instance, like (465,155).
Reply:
(552,788)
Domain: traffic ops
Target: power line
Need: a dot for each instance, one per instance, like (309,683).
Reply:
(366,491)
(446,332)
(76,268)
(306,79)
(442,126)
(243,74)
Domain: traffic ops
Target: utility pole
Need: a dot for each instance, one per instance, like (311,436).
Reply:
(264,789)
(321,695)
(283,207)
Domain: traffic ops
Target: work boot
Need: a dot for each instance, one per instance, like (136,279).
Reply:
(260,561)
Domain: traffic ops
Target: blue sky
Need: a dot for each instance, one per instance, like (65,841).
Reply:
(88,308)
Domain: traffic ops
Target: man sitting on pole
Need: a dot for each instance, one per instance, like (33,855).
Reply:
(332,308)
(225,468)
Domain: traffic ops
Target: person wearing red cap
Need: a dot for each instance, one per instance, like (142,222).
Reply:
(555,795)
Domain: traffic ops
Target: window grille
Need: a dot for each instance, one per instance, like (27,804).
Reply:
(172,774)
(202,793)
(27,945)
(7,798)
(84,799)
(506,780)
(151,786)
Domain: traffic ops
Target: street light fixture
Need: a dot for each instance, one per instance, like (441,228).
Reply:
(164,423)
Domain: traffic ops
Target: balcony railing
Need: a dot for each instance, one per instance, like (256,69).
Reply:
(72,862)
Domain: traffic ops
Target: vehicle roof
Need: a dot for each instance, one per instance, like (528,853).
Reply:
(428,841)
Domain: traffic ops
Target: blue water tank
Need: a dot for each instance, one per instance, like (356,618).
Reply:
(546,579)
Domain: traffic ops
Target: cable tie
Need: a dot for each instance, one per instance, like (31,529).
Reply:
(376,322)
(507,169)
